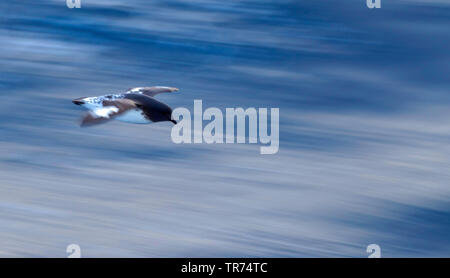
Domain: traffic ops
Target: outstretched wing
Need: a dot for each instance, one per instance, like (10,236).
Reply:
(152,91)
(110,109)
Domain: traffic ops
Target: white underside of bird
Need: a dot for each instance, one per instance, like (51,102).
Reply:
(133,116)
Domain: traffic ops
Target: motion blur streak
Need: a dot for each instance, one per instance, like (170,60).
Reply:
(364,129)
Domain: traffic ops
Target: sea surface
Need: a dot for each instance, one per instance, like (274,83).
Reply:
(364,105)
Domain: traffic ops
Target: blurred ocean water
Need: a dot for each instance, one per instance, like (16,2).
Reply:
(364,129)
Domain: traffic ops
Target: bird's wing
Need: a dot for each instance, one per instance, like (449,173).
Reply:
(152,91)
(110,109)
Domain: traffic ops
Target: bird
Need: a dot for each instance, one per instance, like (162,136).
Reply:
(136,105)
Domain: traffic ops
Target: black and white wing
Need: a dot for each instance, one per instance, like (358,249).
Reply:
(151,91)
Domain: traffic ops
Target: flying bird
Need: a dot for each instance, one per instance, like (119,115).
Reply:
(137,105)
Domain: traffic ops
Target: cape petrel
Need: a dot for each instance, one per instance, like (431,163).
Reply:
(136,105)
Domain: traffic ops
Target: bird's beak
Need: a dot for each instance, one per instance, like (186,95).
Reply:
(78,101)
(173,89)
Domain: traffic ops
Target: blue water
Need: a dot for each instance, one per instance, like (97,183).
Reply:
(364,129)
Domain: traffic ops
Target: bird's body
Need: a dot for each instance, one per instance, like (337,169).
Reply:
(134,116)
(134,106)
